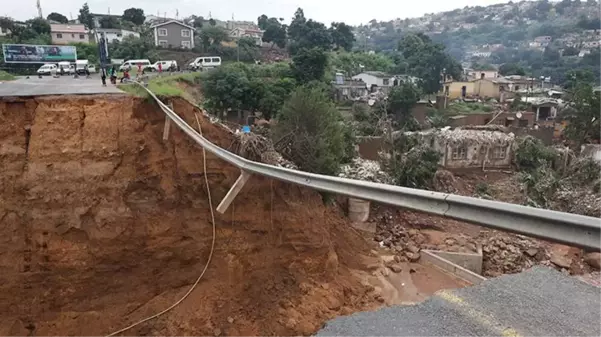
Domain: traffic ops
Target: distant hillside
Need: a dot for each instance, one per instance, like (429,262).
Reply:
(546,38)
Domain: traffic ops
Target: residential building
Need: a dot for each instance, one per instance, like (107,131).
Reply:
(4,31)
(457,89)
(173,34)
(348,89)
(492,87)
(255,34)
(473,74)
(543,39)
(524,119)
(379,79)
(590,44)
(112,34)
(469,147)
(584,52)
(241,24)
(69,33)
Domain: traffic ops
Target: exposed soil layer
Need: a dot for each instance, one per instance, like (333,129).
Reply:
(102,223)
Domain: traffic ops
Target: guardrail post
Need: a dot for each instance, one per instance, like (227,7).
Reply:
(233,192)
(167,124)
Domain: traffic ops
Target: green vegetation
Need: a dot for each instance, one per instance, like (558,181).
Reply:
(582,115)
(4,76)
(163,86)
(463,108)
(311,133)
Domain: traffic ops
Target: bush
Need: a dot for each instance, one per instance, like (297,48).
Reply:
(310,132)
(531,154)
(409,164)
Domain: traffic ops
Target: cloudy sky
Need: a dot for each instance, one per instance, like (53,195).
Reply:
(350,11)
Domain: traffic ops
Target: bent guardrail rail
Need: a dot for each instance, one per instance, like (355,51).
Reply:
(572,229)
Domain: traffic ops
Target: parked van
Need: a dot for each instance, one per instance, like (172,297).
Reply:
(165,65)
(205,62)
(68,68)
(80,67)
(133,64)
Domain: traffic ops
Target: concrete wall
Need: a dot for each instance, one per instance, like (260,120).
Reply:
(368,147)
(69,37)
(476,157)
(453,89)
(544,134)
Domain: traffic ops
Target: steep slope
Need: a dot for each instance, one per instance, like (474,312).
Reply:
(102,224)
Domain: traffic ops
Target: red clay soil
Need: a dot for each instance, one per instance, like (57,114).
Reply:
(102,224)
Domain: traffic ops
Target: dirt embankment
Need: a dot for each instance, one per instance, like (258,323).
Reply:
(102,224)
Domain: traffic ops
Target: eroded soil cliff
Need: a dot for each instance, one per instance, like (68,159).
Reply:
(102,223)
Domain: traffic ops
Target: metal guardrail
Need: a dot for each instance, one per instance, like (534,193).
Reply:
(571,229)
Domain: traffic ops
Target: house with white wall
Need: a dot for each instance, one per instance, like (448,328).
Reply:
(112,34)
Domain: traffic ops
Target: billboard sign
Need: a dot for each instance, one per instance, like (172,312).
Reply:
(28,53)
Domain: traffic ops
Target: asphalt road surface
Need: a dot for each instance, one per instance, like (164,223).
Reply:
(47,85)
(537,302)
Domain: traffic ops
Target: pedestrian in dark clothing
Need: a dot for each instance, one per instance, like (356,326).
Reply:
(103,76)
(113,75)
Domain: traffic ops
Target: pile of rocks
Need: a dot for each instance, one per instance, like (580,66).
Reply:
(367,170)
(508,254)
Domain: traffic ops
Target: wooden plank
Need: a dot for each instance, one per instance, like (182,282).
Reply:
(233,192)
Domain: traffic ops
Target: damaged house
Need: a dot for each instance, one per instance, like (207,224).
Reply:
(470,148)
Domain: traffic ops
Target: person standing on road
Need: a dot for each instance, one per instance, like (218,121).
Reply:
(160,68)
(113,75)
(103,76)
(87,71)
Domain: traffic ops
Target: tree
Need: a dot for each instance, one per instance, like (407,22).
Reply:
(134,15)
(342,35)
(511,69)
(195,21)
(309,65)
(400,101)
(85,17)
(212,22)
(212,36)
(428,61)
(582,115)
(311,132)
(39,26)
(109,22)
(54,16)
(274,31)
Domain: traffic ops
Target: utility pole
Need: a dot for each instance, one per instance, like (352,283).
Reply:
(39,9)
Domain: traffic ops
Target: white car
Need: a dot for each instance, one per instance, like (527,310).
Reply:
(165,65)
(80,67)
(47,69)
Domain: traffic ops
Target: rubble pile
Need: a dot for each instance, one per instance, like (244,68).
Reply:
(577,201)
(367,170)
(508,254)
(444,181)
(259,148)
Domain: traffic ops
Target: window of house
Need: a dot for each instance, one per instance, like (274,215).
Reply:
(501,88)
(517,88)
(82,36)
(186,44)
(523,123)
(162,32)
(483,150)
(3,30)
(498,152)
(459,153)
(386,81)
(73,35)
(59,35)
(162,43)
(119,34)
(185,33)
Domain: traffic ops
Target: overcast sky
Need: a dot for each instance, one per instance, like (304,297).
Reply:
(349,11)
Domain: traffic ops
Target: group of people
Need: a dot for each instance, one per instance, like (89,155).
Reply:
(112,75)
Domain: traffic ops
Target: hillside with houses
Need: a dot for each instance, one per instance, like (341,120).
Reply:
(543,37)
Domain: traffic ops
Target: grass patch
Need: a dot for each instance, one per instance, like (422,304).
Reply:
(163,86)
(4,76)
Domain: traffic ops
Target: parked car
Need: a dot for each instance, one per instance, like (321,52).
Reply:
(47,69)
(133,64)
(164,65)
(205,62)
